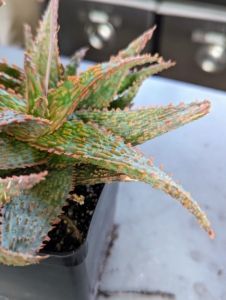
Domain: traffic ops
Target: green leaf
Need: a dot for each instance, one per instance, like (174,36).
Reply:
(42,63)
(72,68)
(84,174)
(28,156)
(11,101)
(45,54)
(95,87)
(91,174)
(136,46)
(11,77)
(92,145)
(132,83)
(141,125)
(39,209)
(101,82)
(12,186)
(33,88)
(23,127)
(40,108)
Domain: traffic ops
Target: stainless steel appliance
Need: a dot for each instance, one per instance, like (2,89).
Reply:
(191,32)
(195,36)
(104,26)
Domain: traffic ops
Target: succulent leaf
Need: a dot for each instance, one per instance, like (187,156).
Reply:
(23,127)
(141,125)
(136,46)
(11,101)
(11,77)
(72,68)
(42,63)
(91,174)
(12,186)
(92,145)
(94,88)
(15,154)
(45,54)
(133,81)
(39,209)
(33,88)
(102,81)
(87,174)
(67,120)
(40,108)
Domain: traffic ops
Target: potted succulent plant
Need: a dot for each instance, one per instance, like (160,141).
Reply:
(63,132)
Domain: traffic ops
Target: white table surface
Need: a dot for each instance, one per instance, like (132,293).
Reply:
(160,248)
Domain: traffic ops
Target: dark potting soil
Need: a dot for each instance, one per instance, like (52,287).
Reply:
(72,230)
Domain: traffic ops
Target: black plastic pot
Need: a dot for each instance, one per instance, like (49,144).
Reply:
(66,276)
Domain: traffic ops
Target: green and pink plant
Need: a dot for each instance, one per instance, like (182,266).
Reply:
(60,128)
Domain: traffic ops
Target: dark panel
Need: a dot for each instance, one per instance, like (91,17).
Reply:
(106,27)
(199,48)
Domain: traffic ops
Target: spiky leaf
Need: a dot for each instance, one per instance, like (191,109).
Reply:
(136,46)
(95,87)
(72,68)
(33,88)
(91,174)
(105,79)
(15,154)
(11,77)
(138,126)
(90,144)
(24,127)
(37,209)
(42,62)
(12,186)
(11,101)
(45,54)
(133,81)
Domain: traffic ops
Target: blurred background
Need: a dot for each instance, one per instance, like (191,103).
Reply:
(191,32)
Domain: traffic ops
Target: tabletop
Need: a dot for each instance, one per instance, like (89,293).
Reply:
(160,252)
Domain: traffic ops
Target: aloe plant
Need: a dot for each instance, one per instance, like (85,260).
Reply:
(59,129)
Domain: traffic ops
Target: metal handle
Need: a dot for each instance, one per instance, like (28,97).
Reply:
(211,55)
(99,29)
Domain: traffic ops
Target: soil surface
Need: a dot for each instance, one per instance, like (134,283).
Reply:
(72,230)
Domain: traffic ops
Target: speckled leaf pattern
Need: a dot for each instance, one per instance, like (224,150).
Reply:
(136,46)
(11,77)
(72,68)
(12,186)
(141,125)
(58,121)
(45,54)
(23,127)
(33,89)
(95,87)
(29,216)
(11,101)
(42,63)
(91,174)
(62,102)
(90,144)
(133,81)
(9,158)
(103,81)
